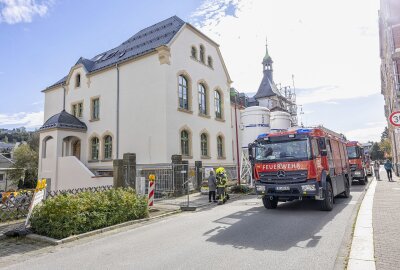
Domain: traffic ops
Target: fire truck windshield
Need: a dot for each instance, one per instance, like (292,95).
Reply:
(352,151)
(293,150)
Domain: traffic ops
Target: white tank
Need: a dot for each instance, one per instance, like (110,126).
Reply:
(254,121)
(280,121)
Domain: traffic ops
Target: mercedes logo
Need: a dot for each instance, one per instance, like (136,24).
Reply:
(280,174)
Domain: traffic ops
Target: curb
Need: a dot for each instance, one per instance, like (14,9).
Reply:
(362,246)
(55,242)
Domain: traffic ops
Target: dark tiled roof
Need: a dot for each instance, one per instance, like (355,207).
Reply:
(267,88)
(145,41)
(64,120)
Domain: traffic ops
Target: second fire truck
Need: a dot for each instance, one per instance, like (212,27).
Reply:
(357,162)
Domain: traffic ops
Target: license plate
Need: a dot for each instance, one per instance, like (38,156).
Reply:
(260,188)
(282,188)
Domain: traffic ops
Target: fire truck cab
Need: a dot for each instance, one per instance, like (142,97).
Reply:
(357,162)
(300,164)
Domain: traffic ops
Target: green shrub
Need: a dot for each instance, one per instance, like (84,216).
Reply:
(67,215)
(240,189)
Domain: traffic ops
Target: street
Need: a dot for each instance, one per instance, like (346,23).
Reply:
(239,235)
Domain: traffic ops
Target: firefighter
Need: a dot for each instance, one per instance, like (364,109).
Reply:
(221,185)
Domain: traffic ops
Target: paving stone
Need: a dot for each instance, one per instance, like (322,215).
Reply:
(386,220)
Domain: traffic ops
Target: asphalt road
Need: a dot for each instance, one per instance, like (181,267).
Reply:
(239,235)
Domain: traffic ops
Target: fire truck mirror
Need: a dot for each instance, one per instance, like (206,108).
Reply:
(251,156)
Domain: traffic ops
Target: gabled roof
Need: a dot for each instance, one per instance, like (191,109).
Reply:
(5,163)
(143,42)
(64,120)
(267,88)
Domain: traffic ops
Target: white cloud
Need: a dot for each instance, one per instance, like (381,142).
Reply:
(17,11)
(29,120)
(366,134)
(330,46)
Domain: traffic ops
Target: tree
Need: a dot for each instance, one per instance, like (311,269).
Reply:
(376,152)
(26,164)
(385,134)
(386,147)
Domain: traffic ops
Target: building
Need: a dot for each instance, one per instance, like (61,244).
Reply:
(6,165)
(389,40)
(164,91)
(269,95)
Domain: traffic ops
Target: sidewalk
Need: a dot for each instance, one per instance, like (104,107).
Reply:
(386,223)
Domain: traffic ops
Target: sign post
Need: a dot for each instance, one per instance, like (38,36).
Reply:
(394,119)
(37,198)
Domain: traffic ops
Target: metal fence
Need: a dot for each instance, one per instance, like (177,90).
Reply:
(15,206)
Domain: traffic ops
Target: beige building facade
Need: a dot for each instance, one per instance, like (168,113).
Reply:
(164,91)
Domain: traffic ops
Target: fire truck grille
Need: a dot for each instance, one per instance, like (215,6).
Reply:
(288,178)
(353,167)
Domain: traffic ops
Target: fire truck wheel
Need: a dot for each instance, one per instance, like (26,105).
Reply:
(346,193)
(327,203)
(270,204)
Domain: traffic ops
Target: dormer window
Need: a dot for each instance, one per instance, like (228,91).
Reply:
(202,54)
(210,61)
(194,52)
(78,80)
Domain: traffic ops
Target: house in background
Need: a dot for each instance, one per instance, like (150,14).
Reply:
(164,91)
(6,165)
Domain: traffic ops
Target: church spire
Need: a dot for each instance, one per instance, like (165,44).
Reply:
(267,62)
(267,58)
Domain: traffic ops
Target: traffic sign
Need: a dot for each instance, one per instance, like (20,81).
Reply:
(394,118)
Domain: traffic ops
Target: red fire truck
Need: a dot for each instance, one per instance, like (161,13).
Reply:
(300,164)
(357,162)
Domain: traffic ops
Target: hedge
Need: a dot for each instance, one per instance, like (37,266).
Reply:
(240,189)
(68,214)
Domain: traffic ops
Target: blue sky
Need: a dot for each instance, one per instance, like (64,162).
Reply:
(335,61)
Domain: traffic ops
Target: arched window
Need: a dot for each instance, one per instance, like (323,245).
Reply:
(204,145)
(194,52)
(95,145)
(185,143)
(210,61)
(183,92)
(218,104)
(107,147)
(220,147)
(202,99)
(202,54)
(78,80)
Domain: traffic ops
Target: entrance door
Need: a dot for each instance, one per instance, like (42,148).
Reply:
(76,149)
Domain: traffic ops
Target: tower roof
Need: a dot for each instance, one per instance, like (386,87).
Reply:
(267,58)
(64,120)
(267,88)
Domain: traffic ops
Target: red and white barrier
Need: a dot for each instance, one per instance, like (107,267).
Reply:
(151,193)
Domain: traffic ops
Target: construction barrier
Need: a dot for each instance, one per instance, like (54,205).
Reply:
(152,178)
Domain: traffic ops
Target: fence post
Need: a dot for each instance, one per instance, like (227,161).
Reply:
(129,160)
(199,174)
(118,178)
(177,175)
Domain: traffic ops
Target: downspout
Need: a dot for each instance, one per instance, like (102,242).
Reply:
(64,97)
(117,129)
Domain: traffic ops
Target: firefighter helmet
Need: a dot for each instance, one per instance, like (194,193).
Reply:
(220,170)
